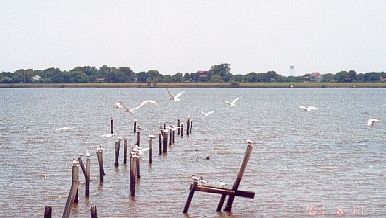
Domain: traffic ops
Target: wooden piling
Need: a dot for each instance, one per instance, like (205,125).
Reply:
(173,136)
(178,125)
(73,190)
(170,137)
(159,144)
(117,147)
(47,212)
(191,125)
(138,138)
(111,126)
(88,165)
(228,206)
(93,211)
(190,197)
(135,126)
(138,167)
(125,151)
(133,173)
(182,130)
(187,126)
(151,137)
(100,162)
(165,141)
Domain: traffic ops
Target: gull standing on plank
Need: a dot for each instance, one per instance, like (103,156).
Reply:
(198,179)
(371,122)
(309,108)
(233,103)
(142,104)
(207,114)
(174,97)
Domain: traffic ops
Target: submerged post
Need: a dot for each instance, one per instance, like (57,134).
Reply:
(71,199)
(187,126)
(178,125)
(135,126)
(165,141)
(133,173)
(99,153)
(138,138)
(159,144)
(93,211)
(182,130)
(173,136)
(190,197)
(117,148)
(88,165)
(125,151)
(191,125)
(47,212)
(151,137)
(111,125)
(170,137)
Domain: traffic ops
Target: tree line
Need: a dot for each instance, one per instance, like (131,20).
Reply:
(216,74)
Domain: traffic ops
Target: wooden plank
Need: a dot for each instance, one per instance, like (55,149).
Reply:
(190,197)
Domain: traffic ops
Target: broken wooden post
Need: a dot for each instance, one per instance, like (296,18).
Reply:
(111,125)
(178,125)
(190,197)
(187,126)
(138,138)
(190,128)
(228,206)
(133,172)
(170,136)
(137,166)
(117,148)
(93,211)
(99,153)
(135,125)
(47,212)
(164,125)
(173,136)
(151,137)
(88,165)
(73,190)
(159,144)
(182,130)
(124,151)
(165,141)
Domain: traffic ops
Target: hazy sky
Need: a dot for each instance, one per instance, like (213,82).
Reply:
(189,35)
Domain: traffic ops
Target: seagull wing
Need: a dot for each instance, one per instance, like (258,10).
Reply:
(203,113)
(169,94)
(302,107)
(142,104)
(234,101)
(179,94)
(311,108)
(210,112)
(370,122)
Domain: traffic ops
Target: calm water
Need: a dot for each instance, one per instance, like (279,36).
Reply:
(303,163)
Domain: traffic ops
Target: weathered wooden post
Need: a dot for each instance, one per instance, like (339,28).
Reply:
(151,137)
(165,142)
(164,125)
(133,172)
(178,125)
(72,196)
(125,151)
(135,125)
(159,143)
(88,165)
(173,136)
(99,153)
(117,148)
(190,197)
(187,126)
(228,206)
(138,138)
(170,137)
(111,126)
(191,125)
(182,130)
(47,212)
(138,166)
(93,211)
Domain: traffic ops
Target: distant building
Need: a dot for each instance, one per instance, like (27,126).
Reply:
(36,77)
(314,77)
(99,79)
(203,75)
(382,79)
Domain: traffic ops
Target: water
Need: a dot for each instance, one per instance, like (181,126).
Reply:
(304,164)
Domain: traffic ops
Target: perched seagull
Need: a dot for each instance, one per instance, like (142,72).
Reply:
(371,122)
(221,183)
(174,97)
(63,128)
(309,108)
(233,103)
(198,179)
(87,154)
(142,104)
(249,141)
(207,114)
(81,154)
(99,148)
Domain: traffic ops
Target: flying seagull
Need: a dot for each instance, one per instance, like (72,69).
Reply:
(174,97)
(142,104)
(63,128)
(232,103)
(371,122)
(108,135)
(207,114)
(309,108)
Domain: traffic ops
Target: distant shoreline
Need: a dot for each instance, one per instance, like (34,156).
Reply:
(194,85)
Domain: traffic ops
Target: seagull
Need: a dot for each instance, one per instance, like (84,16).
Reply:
(233,103)
(221,183)
(81,154)
(198,179)
(371,122)
(207,114)
(63,128)
(108,135)
(119,104)
(99,148)
(142,104)
(174,97)
(249,141)
(309,108)
(87,154)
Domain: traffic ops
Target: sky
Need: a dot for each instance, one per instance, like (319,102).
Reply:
(184,36)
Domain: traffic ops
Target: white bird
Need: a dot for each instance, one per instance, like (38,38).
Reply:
(119,104)
(249,141)
(74,162)
(81,154)
(371,122)
(174,97)
(142,104)
(63,128)
(221,183)
(309,108)
(207,114)
(87,154)
(198,179)
(232,103)
(108,135)
(99,148)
